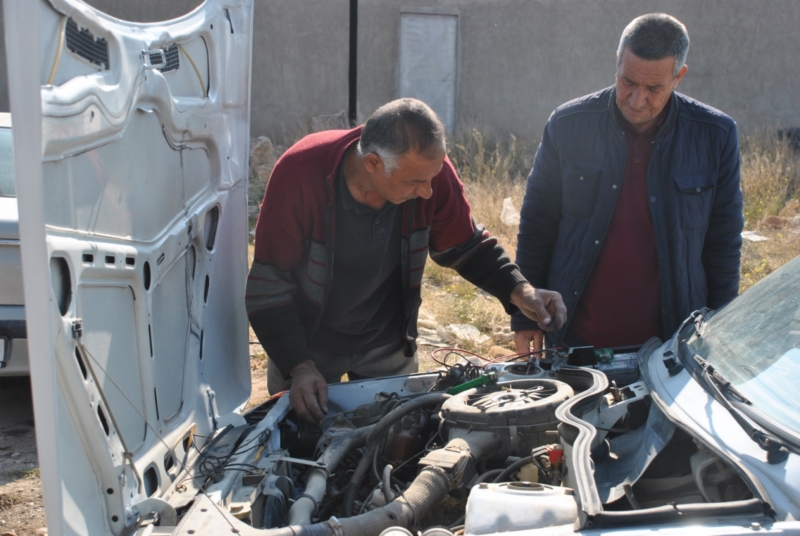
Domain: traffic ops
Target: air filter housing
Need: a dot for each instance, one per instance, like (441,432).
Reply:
(519,412)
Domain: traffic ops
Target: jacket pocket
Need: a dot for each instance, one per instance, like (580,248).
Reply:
(579,188)
(695,193)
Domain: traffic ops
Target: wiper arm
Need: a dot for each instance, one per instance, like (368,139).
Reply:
(720,381)
(716,384)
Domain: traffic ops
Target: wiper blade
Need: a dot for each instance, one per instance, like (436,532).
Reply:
(721,382)
(719,387)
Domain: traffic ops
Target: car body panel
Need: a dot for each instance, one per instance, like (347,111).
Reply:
(10,260)
(134,227)
(680,396)
(14,351)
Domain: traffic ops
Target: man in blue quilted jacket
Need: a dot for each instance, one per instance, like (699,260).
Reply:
(633,210)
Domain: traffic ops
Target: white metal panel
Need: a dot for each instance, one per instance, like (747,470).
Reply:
(117,176)
(108,318)
(170,329)
(428,62)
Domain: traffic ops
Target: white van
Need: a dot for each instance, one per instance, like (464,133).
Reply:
(131,173)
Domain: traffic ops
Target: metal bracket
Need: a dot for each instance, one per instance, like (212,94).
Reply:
(213,413)
(77,328)
(154,59)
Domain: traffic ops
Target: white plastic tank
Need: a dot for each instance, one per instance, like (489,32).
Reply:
(497,508)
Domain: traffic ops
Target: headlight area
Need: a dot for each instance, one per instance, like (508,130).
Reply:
(561,449)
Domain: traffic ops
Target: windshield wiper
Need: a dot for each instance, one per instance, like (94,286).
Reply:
(720,381)
(720,388)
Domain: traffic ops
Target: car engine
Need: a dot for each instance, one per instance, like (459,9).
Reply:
(478,448)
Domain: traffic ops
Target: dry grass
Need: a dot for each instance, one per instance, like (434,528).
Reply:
(493,170)
(770,177)
(771,189)
(759,259)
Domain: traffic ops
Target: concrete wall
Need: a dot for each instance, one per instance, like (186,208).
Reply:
(519,59)
(300,64)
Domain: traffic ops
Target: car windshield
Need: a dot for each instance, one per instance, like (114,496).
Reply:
(7,185)
(755,343)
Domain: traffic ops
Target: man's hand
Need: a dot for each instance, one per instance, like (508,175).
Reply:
(309,392)
(529,340)
(545,307)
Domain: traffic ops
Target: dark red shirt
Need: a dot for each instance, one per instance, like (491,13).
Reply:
(621,303)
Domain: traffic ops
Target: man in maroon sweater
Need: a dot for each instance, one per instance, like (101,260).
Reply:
(348,220)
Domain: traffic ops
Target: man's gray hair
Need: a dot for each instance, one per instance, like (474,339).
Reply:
(656,36)
(401,126)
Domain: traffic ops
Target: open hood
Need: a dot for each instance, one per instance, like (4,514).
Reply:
(131,149)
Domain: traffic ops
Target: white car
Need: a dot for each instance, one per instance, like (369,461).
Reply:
(13,338)
(132,171)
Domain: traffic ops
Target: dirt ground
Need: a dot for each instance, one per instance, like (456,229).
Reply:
(21,505)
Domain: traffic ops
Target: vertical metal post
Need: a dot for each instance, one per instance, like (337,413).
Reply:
(353,65)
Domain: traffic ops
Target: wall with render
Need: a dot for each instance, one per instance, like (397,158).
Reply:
(517,59)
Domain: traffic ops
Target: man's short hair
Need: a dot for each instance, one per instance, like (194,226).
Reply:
(401,126)
(656,36)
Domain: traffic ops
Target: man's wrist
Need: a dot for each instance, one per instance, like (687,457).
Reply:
(302,368)
(518,292)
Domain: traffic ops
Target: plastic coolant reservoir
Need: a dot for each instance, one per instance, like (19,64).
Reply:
(528,473)
(494,508)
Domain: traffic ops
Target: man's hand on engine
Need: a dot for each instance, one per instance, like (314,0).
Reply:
(545,307)
(309,392)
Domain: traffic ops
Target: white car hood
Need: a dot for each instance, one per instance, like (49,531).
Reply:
(688,405)
(131,165)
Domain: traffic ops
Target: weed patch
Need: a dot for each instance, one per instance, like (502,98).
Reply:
(8,501)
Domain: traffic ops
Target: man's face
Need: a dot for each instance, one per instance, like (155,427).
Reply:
(411,179)
(644,88)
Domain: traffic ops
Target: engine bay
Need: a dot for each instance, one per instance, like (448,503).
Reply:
(478,448)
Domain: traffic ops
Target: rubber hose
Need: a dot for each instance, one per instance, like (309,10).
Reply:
(428,489)
(513,467)
(355,482)
(486,476)
(375,436)
(318,529)
(520,463)
(316,479)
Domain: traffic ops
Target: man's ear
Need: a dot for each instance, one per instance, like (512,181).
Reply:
(373,163)
(680,75)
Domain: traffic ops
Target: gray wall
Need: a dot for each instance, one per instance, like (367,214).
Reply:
(300,64)
(519,59)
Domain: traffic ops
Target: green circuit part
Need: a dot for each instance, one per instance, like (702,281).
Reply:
(604,356)
(484,379)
